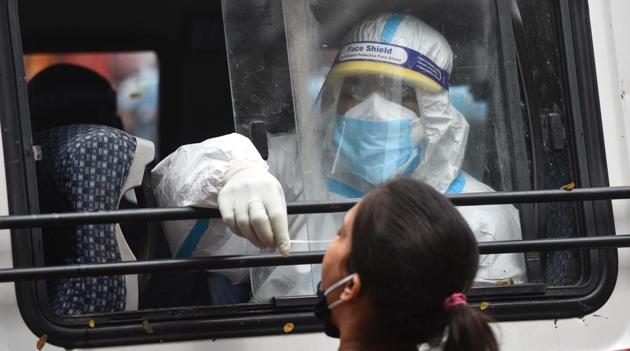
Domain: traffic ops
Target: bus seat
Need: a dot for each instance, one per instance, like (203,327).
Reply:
(88,168)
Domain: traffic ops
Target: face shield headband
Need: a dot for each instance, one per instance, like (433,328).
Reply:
(374,57)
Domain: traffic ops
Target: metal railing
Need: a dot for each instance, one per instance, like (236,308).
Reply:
(223,262)
(170,214)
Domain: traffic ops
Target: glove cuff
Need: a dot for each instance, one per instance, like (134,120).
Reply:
(241,165)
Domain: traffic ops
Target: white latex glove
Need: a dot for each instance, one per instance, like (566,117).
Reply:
(252,205)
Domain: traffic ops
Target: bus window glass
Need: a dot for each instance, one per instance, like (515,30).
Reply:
(338,96)
(350,96)
(134,76)
(337,83)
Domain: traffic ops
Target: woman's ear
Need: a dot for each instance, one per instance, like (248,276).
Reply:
(352,289)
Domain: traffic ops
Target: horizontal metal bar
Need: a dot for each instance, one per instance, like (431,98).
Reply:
(119,216)
(556,244)
(538,196)
(223,262)
(131,267)
(169,214)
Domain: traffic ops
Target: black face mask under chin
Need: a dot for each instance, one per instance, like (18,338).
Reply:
(322,308)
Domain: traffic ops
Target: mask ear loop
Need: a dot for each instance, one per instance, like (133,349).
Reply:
(343,130)
(335,286)
(417,133)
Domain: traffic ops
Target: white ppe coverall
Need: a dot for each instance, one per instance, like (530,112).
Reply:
(383,112)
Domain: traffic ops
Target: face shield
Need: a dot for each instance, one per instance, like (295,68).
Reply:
(370,115)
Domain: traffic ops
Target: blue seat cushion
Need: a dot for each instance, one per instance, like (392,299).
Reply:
(83,169)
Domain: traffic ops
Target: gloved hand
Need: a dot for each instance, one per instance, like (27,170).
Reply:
(252,205)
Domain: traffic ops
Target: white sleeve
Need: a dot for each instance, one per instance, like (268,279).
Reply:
(496,223)
(194,174)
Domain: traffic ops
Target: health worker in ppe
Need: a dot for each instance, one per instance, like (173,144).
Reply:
(383,112)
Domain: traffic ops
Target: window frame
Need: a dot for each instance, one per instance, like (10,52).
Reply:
(175,324)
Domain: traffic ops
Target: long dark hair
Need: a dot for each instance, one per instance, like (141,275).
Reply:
(412,249)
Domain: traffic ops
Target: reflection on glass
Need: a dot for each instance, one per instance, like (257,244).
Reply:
(133,75)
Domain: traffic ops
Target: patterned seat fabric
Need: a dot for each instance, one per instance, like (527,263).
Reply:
(84,168)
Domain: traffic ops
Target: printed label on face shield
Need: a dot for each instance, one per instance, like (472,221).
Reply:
(396,55)
(373,51)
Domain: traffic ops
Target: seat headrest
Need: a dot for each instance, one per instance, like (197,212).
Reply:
(69,94)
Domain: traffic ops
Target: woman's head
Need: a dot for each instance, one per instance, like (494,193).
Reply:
(410,250)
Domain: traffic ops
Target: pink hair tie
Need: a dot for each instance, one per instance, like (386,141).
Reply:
(455,299)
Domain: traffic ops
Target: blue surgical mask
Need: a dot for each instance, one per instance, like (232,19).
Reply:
(374,140)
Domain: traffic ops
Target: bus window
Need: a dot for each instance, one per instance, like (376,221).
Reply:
(496,108)
(475,118)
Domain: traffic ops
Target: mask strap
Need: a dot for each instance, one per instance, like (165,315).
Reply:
(339,283)
(343,130)
(335,286)
(334,304)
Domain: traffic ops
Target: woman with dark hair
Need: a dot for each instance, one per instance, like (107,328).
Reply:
(396,274)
